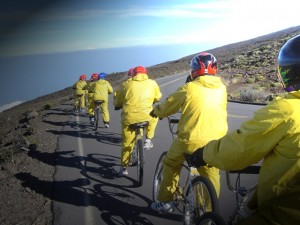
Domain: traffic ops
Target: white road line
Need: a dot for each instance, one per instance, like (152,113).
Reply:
(172,81)
(237,116)
(88,215)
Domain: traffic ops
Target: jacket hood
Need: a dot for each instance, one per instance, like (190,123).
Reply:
(209,81)
(140,77)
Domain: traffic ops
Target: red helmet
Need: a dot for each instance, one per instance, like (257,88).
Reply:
(139,69)
(82,77)
(130,72)
(203,64)
(94,76)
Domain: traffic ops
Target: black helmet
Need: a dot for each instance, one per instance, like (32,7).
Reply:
(289,64)
(203,64)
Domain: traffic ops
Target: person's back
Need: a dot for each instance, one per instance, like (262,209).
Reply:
(140,94)
(102,89)
(203,107)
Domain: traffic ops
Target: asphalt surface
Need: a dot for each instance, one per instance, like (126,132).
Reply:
(87,188)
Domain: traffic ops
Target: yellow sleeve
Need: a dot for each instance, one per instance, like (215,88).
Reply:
(255,139)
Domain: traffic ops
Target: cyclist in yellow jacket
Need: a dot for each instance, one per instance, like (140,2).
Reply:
(203,103)
(79,93)
(102,89)
(136,99)
(89,87)
(272,135)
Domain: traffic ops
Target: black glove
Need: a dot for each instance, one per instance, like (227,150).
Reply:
(195,159)
(152,114)
(118,108)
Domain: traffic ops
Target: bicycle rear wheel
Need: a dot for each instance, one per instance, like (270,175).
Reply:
(97,112)
(201,199)
(211,218)
(158,176)
(140,162)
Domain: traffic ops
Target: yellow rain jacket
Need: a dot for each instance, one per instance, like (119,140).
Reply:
(273,134)
(102,89)
(78,86)
(89,87)
(122,85)
(136,97)
(203,105)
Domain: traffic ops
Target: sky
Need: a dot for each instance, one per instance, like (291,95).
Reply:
(46,44)
(47,26)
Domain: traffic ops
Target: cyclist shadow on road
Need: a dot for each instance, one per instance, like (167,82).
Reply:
(101,169)
(109,138)
(115,203)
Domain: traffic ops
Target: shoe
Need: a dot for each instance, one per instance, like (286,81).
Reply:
(148,144)
(194,171)
(163,206)
(123,171)
(106,124)
(92,120)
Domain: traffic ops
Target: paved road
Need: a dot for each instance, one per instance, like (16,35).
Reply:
(87,189)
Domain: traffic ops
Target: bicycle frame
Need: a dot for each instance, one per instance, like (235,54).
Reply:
(195,193)
(97,112)
(241,192)
(138,150)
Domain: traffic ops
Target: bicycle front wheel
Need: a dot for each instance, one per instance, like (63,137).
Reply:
(201,199)
(158,176)
(97,112)
(140,163)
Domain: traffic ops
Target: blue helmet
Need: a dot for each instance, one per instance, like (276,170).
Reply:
(289,64)
(102,76)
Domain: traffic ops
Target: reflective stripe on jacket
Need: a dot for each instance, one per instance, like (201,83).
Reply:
(203,103)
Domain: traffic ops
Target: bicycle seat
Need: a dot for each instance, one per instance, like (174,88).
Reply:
(139,125)
(79,95)
(248,170)
(98,102)
(174,120)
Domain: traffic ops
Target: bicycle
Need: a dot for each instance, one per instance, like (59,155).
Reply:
(194,195)
(137,156)
(97,113)
(241,193)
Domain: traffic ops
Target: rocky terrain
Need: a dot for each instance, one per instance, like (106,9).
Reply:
(29,132)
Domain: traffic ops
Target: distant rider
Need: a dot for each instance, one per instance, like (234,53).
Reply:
(102,89)
(89,87)
(136,98)
(79,93)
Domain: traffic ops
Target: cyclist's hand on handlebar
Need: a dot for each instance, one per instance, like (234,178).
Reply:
(195,159)
(152,114)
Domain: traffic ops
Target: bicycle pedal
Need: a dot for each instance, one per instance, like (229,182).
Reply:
(132,163)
